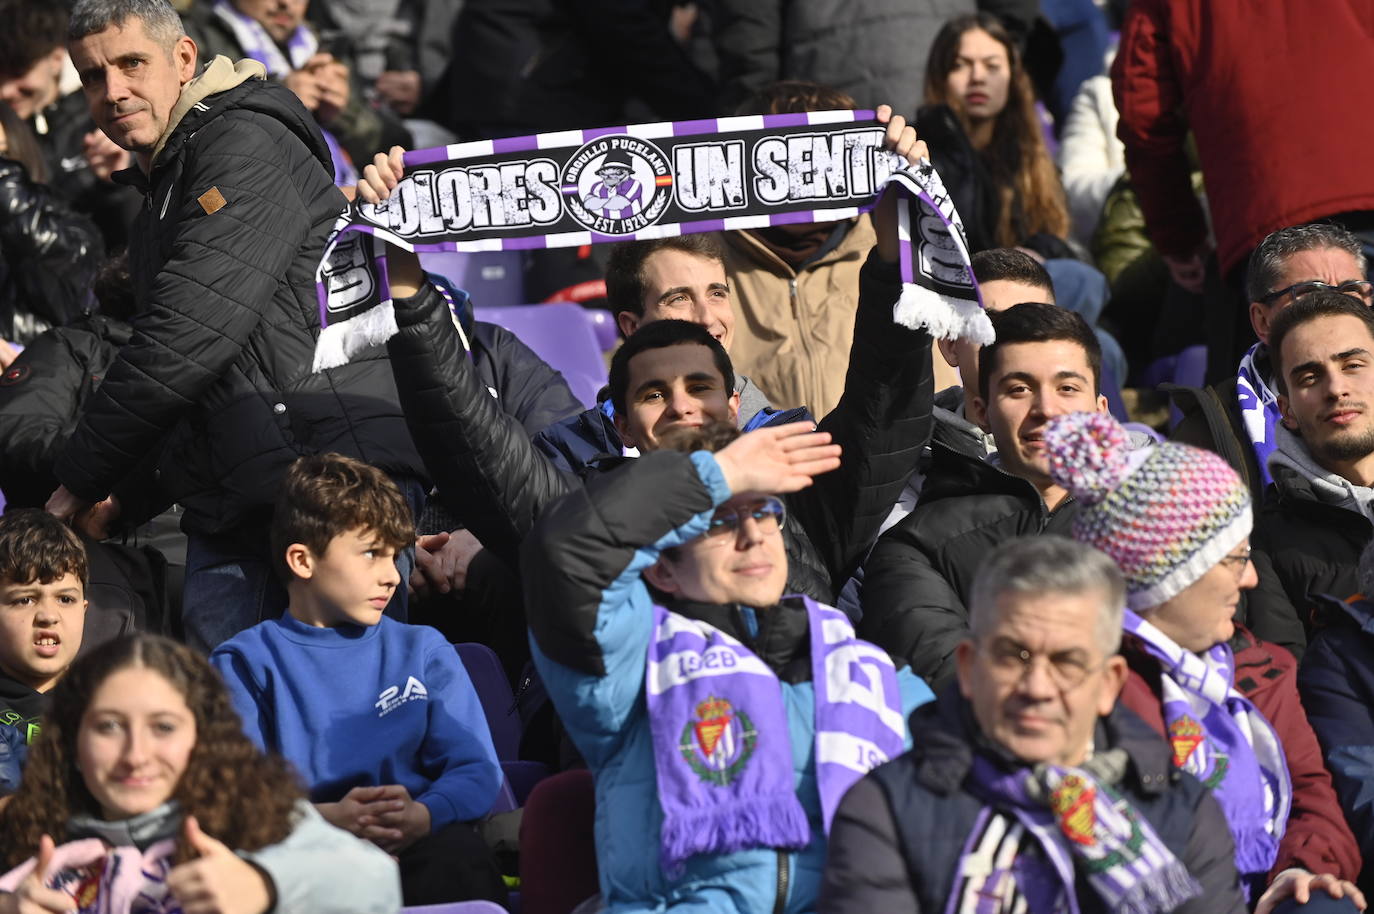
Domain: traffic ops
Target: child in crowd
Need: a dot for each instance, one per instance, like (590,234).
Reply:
(379,716)
(42,612)
(157,801)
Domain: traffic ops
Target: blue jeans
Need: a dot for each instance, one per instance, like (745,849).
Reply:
(232,583)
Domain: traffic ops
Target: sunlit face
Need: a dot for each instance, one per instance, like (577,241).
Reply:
(134,742)
(40,629)
(1332,266)
(998,295)
(1034,383)
(979,83)
(747,566)
(673,387)
(279,18)
(132,83)
(685,287)
(352,582)
(1201,616)
(1328,364)
(1044,710)
(37,87)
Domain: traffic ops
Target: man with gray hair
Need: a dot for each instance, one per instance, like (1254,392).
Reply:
(214,390)
(1027,788)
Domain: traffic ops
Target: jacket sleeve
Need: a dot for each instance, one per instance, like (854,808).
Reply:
(530,390)
(320,868)
(882,423)
(1089,156)
(1318,838)
(247,696)
(909,608)
(480,457)
(589,613)
(1268,611)
(1210,860)
(457,743)
(1341,712)
(53,252)
(865,870)
(1150,99)
(204,304)
(38,412)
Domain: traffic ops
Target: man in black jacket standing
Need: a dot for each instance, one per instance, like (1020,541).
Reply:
(215,385)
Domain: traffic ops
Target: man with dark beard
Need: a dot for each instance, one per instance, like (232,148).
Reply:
(1320,513)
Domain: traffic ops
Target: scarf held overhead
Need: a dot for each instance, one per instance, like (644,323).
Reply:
(578,187)
(722,745)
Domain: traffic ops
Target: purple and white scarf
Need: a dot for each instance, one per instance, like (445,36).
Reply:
(1259,408)
(1079,823)
(722,745)
(1219,737)
(720,174)
(300,47)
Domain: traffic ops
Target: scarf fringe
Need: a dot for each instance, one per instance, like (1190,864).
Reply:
(338,344)
(942,316)
(726,829)
(1166,889)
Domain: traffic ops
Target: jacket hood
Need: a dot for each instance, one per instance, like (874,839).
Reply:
(225,86)
(1298,474)
(953,428)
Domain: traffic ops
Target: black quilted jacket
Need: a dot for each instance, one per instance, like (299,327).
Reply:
(236,212)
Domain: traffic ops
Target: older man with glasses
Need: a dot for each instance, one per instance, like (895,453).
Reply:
(1028,789)
(723,721)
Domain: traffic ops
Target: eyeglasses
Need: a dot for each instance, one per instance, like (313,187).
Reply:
(769,513)
(1237,561)
(1362,289)
(1067,669)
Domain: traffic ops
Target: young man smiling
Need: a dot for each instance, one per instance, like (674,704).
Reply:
(1046,362)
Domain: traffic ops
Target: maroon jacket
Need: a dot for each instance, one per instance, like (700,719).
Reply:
(1277,97)
(1317,839)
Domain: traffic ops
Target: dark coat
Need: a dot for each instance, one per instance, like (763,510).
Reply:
(1336,682)
(218,371)
(1317,838)
(498,482)
(50,256)
(918,578)
(898,835)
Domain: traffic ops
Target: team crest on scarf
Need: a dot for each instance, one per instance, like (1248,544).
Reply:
(719,742)
(1185,735)
(1072,802)
(618,184)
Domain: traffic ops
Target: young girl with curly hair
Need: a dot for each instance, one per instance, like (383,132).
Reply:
(143,795)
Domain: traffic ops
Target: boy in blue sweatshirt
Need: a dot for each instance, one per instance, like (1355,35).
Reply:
(378,716)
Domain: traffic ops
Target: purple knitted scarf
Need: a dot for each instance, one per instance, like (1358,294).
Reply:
(722,745)
(1081,825)
(1220,738)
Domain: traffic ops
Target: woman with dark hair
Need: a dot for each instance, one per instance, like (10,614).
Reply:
(975,69)
(144,775)
(48,252)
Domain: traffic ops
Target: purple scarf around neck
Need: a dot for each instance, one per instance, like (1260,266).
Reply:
(722,745)
(1220,738)
(1080,824)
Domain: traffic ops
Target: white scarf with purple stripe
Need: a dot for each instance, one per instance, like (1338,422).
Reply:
(722,745)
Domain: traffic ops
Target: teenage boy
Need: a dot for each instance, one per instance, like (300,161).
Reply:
(378,716)
(42,613)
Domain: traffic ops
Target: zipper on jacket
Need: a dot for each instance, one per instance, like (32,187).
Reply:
(784,878)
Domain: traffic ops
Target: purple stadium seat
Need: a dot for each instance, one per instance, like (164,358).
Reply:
(1189,371)
(493,278)
(498,702)
(457,907)
(562,334)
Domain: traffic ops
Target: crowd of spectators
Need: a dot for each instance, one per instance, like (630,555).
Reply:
(810,610)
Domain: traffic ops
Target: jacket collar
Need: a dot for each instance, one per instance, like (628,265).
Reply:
(141,831)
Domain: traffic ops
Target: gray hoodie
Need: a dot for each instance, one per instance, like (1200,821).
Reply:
(1291,454)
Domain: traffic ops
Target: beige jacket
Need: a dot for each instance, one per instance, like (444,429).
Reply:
(793,331)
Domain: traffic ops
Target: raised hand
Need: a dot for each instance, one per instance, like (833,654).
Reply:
(777,459)
(33,896)
(219,881)
(900,138)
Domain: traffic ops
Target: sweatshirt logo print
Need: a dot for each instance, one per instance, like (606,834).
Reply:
(393,697)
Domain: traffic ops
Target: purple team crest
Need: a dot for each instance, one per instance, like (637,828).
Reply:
(718,744)
(617,185)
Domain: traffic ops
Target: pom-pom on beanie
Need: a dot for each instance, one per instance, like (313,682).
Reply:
(1166,514)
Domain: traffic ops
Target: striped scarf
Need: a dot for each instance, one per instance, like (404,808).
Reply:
(722,746)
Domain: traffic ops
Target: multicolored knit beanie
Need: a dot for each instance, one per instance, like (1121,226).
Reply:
(1166,514)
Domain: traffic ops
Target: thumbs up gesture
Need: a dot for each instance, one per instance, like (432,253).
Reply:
(219,881)
(33,896)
